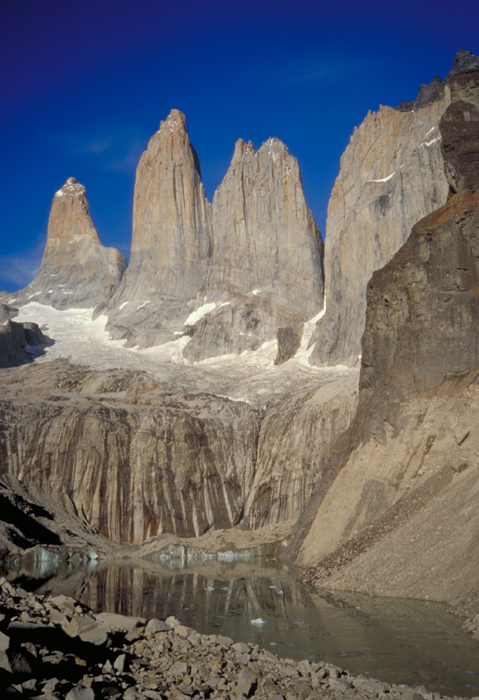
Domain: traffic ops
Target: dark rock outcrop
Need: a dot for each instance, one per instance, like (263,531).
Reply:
(20,342)
(7,312)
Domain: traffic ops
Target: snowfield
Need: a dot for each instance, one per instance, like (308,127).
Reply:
(251,376)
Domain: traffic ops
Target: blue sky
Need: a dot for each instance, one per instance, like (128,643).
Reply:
(85,83)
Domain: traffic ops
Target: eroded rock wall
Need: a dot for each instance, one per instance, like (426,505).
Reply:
(136,460)
(296,437)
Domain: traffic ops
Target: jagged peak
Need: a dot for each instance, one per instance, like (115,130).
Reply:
(242,148)
(464,61)
(175,121)
(274,145)
(71,186)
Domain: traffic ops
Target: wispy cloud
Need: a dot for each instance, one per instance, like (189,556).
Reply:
(114,149)
(16,271)
(319,72)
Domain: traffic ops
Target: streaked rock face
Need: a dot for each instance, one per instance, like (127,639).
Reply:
(296,437)
(135,460)
(392,174)
(266,271)
(171,241)
(76,271)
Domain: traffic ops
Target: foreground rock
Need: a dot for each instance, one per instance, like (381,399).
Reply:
(76,271)
(56,648)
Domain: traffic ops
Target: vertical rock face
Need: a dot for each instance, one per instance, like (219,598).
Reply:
(76,269)
(171,242)
(296,437)
(406,477)
(391,175)
(423,307)
(266,269)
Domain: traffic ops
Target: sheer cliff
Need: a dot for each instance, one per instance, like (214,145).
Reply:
(266,271)
(136,459)
(391,175)
(398,514)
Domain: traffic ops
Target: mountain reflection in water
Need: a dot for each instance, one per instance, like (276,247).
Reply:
(399,641)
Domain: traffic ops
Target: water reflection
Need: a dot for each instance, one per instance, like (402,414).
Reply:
(400,641)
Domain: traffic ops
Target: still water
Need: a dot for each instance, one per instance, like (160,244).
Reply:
(398,641)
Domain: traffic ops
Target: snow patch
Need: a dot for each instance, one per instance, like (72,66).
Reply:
(142,305)
(429,143)
(383,179)
(122,306)
(199,313)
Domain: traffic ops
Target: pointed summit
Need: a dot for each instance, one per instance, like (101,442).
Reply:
(171,241)
(76,271)
(267,267)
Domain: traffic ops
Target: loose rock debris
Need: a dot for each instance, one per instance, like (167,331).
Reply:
(56,648)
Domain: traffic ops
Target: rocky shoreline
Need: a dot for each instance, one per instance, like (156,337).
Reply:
(56,648)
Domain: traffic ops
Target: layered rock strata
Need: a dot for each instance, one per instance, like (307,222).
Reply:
(136,460)
(76,271)
(171,241)
(391,176)
(266,270)
(405,477)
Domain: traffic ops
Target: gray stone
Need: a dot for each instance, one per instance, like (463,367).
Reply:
(4,642)
(114,622)
(246,681)
(120,663)
(155,625)
(80,694)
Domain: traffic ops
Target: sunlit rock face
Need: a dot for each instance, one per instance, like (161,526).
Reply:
(135,460)
(296,437)
(392,174)
(399,516)
(171,241)
(76,271)
(266,271)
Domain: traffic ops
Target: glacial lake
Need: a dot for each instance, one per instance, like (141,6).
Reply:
(397,641)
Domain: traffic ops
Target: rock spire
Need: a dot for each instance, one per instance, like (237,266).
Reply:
(171,241)
(266,272)
(76,269)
